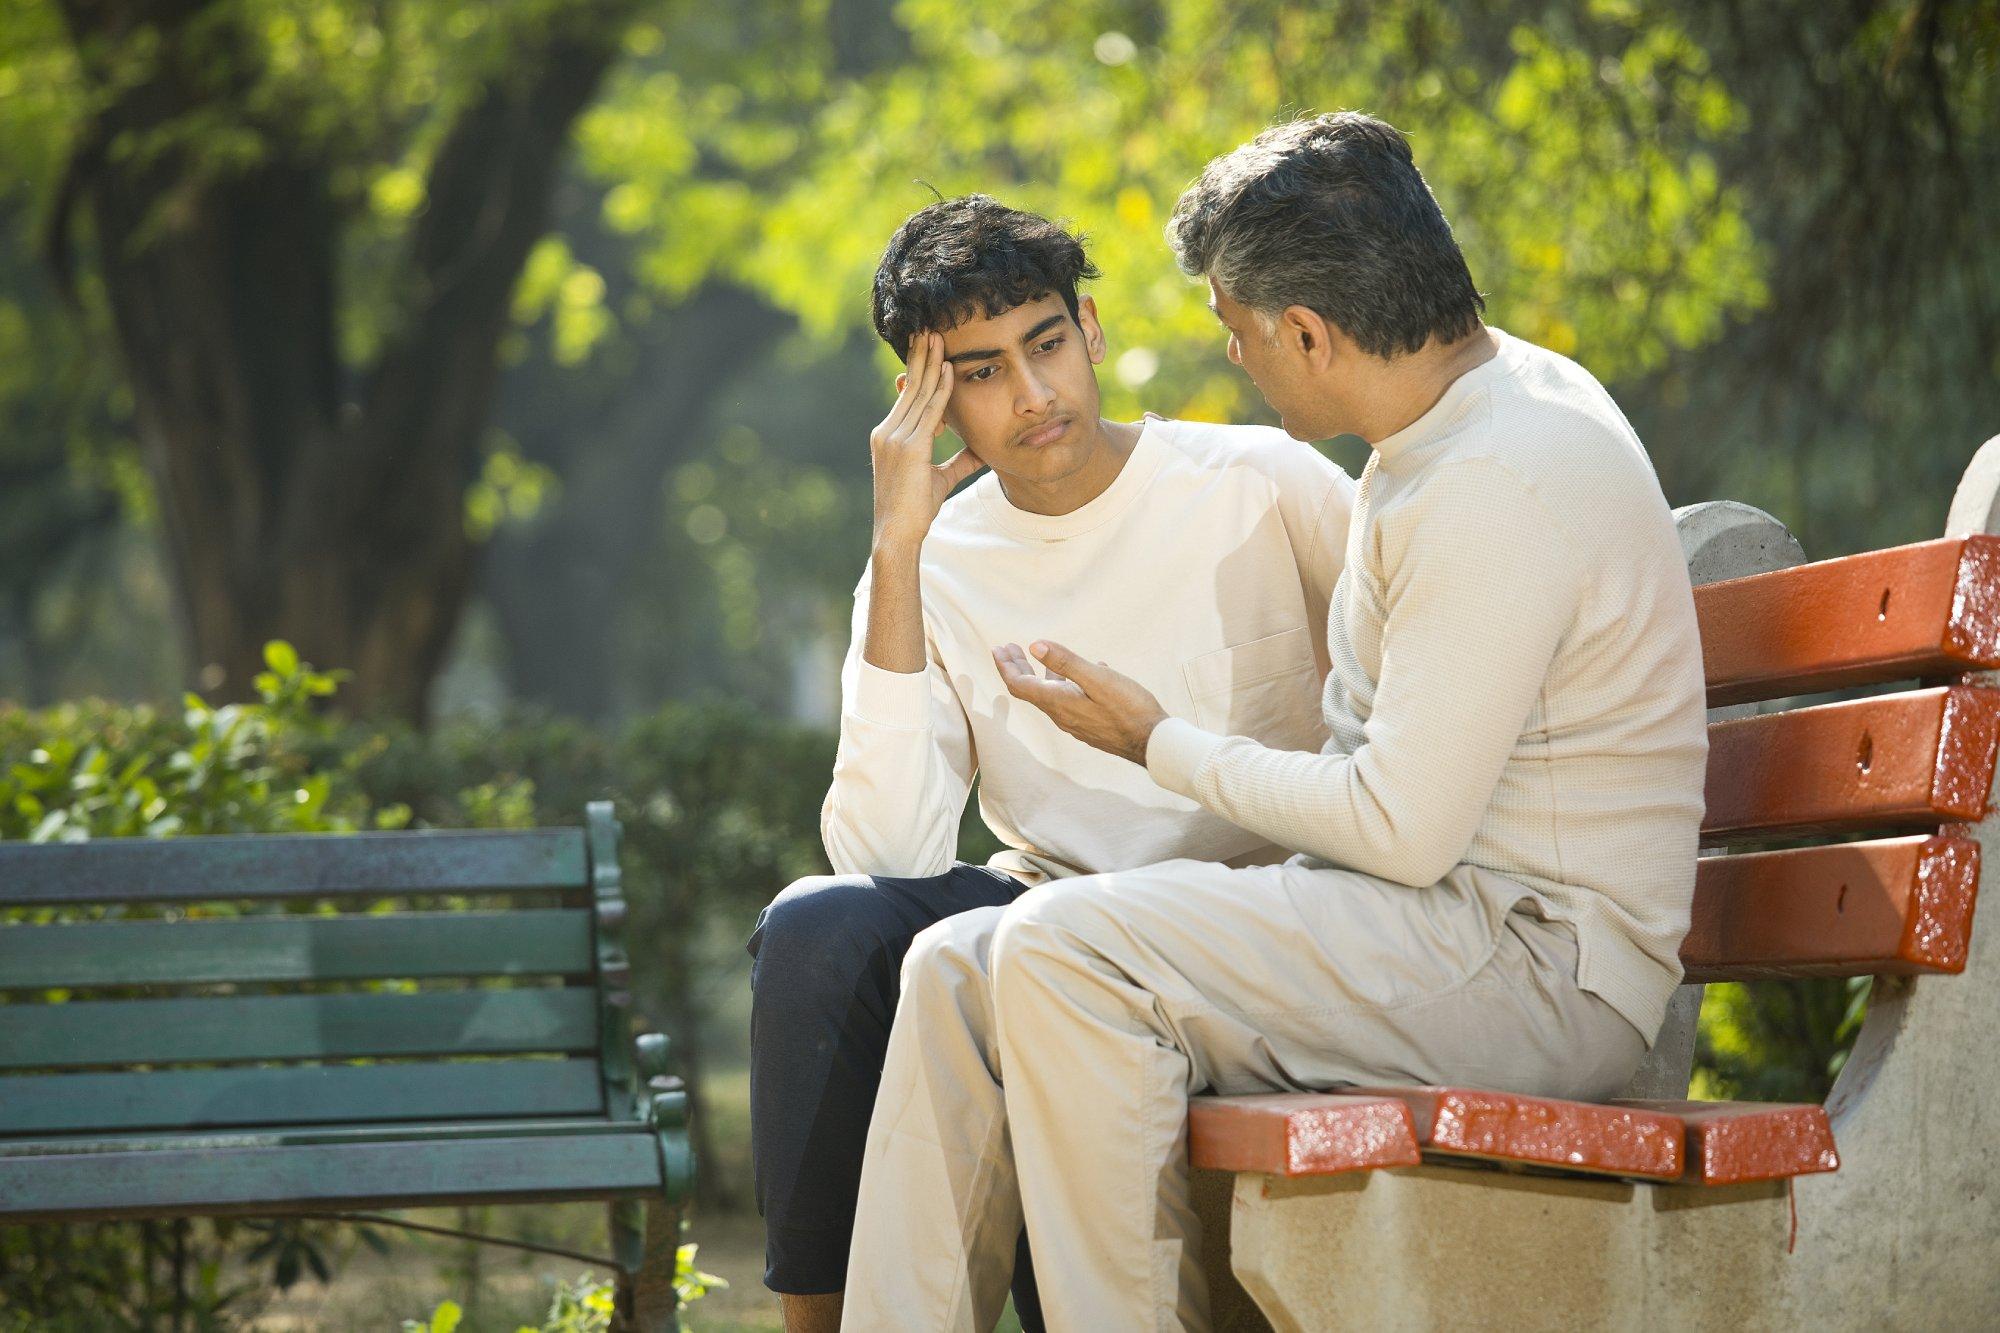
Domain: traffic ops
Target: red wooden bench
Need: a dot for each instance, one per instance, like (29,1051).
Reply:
(1383,1207)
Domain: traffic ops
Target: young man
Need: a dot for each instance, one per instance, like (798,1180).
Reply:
(1497,839)
(1201,556)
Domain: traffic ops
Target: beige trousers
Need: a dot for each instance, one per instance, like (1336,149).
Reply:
(1043,1055)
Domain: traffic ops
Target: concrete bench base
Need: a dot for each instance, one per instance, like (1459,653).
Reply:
(1439,1246)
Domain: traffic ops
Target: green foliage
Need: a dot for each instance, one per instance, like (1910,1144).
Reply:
(1573,147)
(1781,1041)
(98,770)
(691,1283)
(585,1304)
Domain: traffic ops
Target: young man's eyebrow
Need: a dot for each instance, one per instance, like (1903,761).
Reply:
(1032,334)
(989,354)
(978,354)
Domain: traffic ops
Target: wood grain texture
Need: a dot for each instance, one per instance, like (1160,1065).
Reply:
(297,1094)
(222,1177)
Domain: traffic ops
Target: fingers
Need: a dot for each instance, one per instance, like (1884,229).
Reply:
(1017,673)
(1012,661)
(917,387)
(930,419)
(1064,663)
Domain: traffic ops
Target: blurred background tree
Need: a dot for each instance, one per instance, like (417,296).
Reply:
(424,333)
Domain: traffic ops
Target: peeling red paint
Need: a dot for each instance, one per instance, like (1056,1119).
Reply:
(1973,632)
(1937,934)
(1968,737)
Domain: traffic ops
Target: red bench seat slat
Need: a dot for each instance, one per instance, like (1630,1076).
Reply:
(1300,1133)
(1899,906)
(1923,758)
(1544,1131)
(1730,1143)
(1921,610)
(1706,1143)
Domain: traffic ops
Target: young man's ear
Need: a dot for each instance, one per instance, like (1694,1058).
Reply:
(1093,332)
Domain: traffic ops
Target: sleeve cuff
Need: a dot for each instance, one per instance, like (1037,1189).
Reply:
(1175,753)
(893,698)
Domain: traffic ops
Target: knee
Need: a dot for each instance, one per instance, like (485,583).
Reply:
(1052,929)
(946,956)
(820,919)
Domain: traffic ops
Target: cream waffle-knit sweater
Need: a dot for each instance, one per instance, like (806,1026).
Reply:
(1516,679)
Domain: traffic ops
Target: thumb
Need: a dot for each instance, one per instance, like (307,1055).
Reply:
(959,466)
(1064,663)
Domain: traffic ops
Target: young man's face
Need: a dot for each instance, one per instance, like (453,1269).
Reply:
(1024,392)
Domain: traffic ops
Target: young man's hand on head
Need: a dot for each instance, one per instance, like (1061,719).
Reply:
(909,487)
(1102,708)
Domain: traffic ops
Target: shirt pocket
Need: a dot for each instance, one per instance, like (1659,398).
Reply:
(1267,689)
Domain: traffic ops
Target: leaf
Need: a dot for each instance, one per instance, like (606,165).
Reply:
(281,657)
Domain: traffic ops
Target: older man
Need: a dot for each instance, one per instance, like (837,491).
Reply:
(1496,844)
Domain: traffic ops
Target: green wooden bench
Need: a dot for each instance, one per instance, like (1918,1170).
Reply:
(301,1024)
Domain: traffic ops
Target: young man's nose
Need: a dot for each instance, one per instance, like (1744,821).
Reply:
(1034,398)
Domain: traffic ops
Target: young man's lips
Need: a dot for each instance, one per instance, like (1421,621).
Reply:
(1048,434)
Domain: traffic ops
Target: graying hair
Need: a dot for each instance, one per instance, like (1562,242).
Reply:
(1330,213)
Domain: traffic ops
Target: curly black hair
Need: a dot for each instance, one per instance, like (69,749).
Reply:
(974,255)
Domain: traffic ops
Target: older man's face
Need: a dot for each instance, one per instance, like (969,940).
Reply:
(1315,397)
(1276,365)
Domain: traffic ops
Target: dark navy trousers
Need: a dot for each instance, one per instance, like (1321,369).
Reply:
(825,973)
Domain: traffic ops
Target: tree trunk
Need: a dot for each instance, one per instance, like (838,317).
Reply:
(293,507)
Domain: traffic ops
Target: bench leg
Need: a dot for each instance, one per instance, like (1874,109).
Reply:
(647,1302)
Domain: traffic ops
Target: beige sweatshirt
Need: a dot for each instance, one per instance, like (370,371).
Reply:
(1516,679)
(1204,570)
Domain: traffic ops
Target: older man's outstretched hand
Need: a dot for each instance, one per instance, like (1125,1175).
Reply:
(1100,707)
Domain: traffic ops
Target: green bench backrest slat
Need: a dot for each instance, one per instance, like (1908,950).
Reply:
(299,1027)
(292,865)
(298,1094)
(373,1175)
(297,948)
